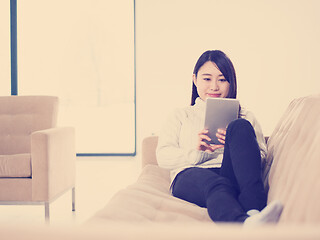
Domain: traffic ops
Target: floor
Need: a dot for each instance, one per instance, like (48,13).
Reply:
(97,180)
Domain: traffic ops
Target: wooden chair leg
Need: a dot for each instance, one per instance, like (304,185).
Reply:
(73,199)
(47,212)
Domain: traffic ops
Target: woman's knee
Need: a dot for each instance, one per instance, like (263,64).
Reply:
(240,125)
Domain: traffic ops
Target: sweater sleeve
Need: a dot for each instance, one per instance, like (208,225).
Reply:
(169,154)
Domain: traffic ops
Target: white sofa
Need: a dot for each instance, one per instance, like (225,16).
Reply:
(294,176)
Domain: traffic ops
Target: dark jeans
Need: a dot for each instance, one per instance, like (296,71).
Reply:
(230,191)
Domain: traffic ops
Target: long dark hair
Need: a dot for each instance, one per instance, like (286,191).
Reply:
(225,66)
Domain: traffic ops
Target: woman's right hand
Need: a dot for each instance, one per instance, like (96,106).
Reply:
(203,145)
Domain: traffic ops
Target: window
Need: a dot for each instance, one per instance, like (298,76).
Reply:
(5,48)
(83,52)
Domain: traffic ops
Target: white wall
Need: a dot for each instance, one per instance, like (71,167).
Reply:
(274,45)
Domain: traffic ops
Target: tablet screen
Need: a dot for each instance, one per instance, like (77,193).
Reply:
(219,113)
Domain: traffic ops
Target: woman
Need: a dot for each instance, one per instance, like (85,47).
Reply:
(224,178)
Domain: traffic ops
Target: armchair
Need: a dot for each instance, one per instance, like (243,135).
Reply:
(37,159)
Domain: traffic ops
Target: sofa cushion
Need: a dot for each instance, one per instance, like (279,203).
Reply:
(294,151)
(149,200)
(15,166)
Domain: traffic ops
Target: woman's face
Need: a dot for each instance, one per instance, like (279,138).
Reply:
(210,82)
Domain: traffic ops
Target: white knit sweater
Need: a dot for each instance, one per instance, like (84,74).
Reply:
(178,139)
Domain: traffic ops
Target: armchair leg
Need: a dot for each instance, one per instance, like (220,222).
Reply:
(47,212)
(73,199)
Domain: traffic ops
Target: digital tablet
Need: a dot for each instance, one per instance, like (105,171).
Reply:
(219,113)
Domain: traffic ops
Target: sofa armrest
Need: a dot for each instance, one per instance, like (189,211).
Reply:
(149,146)
(53,162)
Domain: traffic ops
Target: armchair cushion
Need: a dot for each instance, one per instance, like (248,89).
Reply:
(22,115)
(15,166)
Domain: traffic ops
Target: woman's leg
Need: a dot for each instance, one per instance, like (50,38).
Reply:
(242,165)
(206,188)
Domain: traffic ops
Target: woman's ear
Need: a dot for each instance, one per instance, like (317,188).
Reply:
(194,79)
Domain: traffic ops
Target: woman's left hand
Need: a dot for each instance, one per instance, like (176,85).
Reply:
(221,135)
